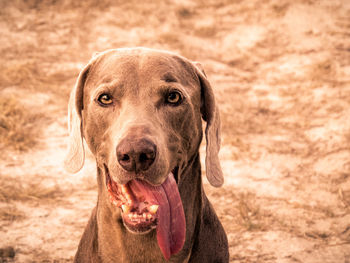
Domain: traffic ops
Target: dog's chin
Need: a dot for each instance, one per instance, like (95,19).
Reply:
(139,213)
(139,227)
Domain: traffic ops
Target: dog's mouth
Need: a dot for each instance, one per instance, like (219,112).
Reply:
(145,207)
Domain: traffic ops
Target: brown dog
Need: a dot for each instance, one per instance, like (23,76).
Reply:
(140,113)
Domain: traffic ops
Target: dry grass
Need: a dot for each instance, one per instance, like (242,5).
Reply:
(35,76)
(12,189)
(10,213)
(18,73)
(280,9)
(206,31)
(40,4)
(18,125)
(323,71)
(239,210)
(249,212)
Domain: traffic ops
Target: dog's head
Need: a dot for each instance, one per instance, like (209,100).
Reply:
(140,112)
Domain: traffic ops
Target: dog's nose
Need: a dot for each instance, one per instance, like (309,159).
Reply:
(136,155)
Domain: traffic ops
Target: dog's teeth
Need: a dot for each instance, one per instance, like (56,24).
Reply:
(134,215)
(128,197)
(149,216)
(126,209)
(144,215)
(153,209)
(130,216)
(126,194)
(124,190)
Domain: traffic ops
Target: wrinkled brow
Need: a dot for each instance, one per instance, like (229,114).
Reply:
(110,87)
(168,77)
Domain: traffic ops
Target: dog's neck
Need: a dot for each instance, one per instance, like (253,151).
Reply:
(122,246)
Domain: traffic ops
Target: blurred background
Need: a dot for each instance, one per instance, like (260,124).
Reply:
(281,75)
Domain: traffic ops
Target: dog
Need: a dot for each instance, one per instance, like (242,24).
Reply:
(140,112)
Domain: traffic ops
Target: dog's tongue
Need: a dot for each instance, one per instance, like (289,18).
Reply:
(171,227)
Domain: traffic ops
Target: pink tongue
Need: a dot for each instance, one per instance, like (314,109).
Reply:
(171,229)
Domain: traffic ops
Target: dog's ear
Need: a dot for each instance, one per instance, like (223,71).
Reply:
(210,113)
(75,158)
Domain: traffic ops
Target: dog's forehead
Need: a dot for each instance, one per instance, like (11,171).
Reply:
(140,64)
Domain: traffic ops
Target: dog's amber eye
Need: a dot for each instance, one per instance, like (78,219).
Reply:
(174,97)
(105,99)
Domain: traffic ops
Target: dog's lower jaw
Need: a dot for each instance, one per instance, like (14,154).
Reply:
(139,216)
(120,245)
(145,207)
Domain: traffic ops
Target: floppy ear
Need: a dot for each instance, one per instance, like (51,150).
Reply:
(210,113)
(75,158)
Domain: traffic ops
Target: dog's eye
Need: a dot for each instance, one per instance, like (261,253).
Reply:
(105,99)
(174,98)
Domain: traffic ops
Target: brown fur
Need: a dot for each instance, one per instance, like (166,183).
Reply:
(138,79)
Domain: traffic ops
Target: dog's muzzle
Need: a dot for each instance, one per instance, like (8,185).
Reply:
(145,207)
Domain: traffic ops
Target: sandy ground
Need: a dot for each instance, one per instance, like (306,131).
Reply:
(281,74)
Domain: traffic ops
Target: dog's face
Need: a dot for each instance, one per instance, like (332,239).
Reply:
(140,112)
(141,115)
